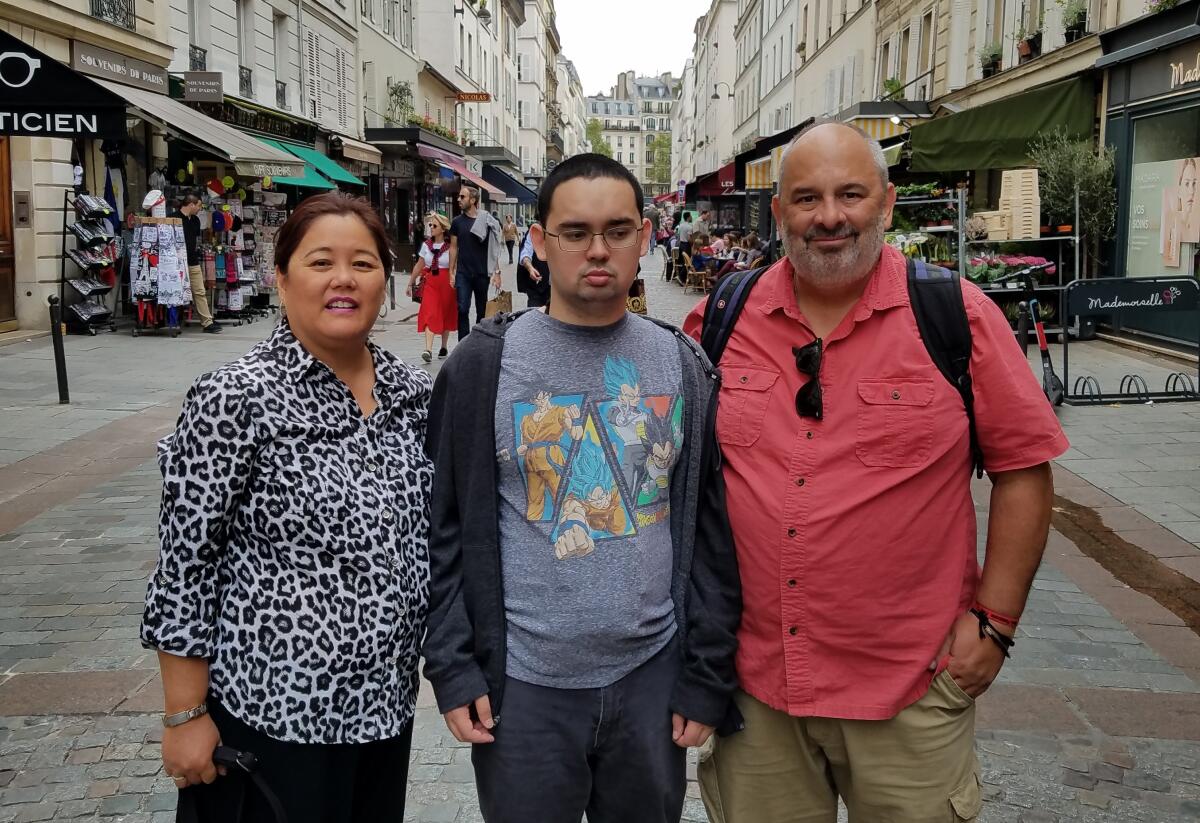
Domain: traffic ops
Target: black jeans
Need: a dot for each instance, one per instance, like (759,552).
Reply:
(510,244)
(467,285)
(315,782)
(560,753)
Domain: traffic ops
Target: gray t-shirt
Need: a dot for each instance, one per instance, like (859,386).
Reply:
(589,427)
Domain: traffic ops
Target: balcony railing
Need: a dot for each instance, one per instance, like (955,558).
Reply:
(245,82)
(118,12)
(197,58)
(281,94)
(554,139)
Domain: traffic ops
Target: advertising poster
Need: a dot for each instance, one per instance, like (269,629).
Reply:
(1164,216)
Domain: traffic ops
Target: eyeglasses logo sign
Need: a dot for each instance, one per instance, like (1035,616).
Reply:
(32,64)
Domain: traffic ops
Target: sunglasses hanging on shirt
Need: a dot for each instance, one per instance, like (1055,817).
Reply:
(808,363)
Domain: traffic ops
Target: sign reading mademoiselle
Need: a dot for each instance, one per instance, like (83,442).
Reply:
(40,97)
(1118,295)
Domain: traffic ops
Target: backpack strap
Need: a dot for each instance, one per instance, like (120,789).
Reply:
(724,305)
(937,303)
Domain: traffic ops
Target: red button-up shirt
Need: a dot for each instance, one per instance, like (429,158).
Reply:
(856,534)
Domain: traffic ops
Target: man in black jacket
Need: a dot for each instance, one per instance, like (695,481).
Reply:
(583,577)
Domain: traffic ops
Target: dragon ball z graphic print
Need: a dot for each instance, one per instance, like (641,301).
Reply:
(596,468)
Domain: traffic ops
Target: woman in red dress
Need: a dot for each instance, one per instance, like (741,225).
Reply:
(439,303)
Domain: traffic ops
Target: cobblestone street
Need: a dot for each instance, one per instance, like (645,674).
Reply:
(1097,717)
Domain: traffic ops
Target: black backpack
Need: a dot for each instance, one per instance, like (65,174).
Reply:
(936,297)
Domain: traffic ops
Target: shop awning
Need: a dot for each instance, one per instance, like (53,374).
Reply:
(250,157)
(515,189)
(762,173)
(321,163)
(455,164)
(358,150)
(881,128)
(892,153)
(715,184)
(669,197)
(308,177)
(997,135)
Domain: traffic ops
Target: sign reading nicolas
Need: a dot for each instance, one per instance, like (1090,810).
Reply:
(40,97)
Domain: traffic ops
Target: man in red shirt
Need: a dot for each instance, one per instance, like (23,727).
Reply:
(868,630)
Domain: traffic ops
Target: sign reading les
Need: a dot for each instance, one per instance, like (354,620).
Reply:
(474,97)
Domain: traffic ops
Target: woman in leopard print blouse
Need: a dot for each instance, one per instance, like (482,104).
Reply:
(290,594)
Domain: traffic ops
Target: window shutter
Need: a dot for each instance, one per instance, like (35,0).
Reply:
(312,63)
(959,47)
(343,94)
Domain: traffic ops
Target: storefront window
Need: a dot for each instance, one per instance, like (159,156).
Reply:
(1164,208)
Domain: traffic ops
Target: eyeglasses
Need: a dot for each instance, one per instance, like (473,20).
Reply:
(808,363)
(576,240)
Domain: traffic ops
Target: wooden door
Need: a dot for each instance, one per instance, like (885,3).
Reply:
(8,271)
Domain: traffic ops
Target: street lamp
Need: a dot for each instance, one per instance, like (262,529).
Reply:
(716,95)
(483,14)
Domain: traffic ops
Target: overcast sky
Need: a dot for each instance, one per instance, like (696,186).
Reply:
(605,39)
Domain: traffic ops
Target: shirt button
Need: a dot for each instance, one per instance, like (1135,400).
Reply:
(792,631)
(792,583)
(372,466)
(745,379)
(387,515)
(809,435)
(791,532)
(895,395)
(799,481)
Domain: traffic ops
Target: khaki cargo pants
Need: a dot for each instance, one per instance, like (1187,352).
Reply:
(918,767)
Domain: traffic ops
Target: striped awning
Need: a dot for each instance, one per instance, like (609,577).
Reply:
(763,172)
(881,128)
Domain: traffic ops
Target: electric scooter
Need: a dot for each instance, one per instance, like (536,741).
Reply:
(1051,385)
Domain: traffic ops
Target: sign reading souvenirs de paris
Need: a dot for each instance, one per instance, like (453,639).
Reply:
(40,97)
(1118,295)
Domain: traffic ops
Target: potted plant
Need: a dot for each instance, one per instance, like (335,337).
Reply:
(802,50)
(893,88)
(1074,17)
(1029,43)
(989,59)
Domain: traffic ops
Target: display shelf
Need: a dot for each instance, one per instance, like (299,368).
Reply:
(1024,240)
(89,259)
(91,232)
(98,248)
(88,286)
(937,229)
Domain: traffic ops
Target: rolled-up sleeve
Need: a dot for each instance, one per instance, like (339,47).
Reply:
(206,463)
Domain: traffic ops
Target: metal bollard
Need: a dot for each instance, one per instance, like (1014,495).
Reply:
(60,357)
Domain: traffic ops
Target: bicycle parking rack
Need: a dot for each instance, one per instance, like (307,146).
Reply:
(1127,297)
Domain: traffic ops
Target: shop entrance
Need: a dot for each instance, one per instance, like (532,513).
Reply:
(8,272)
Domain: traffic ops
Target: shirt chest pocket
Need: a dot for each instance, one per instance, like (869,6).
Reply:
(895,421)
(742,405)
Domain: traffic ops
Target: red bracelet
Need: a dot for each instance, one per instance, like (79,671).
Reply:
(996,617)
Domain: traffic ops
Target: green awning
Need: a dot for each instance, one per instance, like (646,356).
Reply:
(892,154)
(997,135)
(327,166)
(309,180)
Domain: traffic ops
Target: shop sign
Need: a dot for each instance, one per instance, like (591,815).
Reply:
(41,97)
(474,97)
(264,169)
(473,164)
(1117,295)
(261,121)
(98,62)
(1184,75)
(1165,72)
(203,86)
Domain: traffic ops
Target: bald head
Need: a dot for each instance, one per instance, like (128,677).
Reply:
(825,136)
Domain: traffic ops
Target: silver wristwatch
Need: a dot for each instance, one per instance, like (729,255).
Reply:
(179,718)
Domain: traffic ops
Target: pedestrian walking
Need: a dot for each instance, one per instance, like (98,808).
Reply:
(655,218)
(475,237)
(868,629)
(290,594)
(701,225)
(438,314)
(510,236)
(187,212)
(533,275)
(575,462)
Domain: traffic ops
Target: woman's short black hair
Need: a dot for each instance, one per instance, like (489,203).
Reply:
(590,167)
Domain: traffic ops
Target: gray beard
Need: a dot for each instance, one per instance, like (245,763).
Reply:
(835,269)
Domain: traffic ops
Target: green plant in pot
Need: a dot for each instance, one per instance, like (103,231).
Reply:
(1029,42)
(989,59)
(893,88)
(1074,17)
(1064,165)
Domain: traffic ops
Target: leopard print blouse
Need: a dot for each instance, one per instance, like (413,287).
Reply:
(293,543)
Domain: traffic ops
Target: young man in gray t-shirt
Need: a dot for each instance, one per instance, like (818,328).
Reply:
(582,572)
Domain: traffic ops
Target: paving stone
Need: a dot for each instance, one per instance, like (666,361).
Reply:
(119,805)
